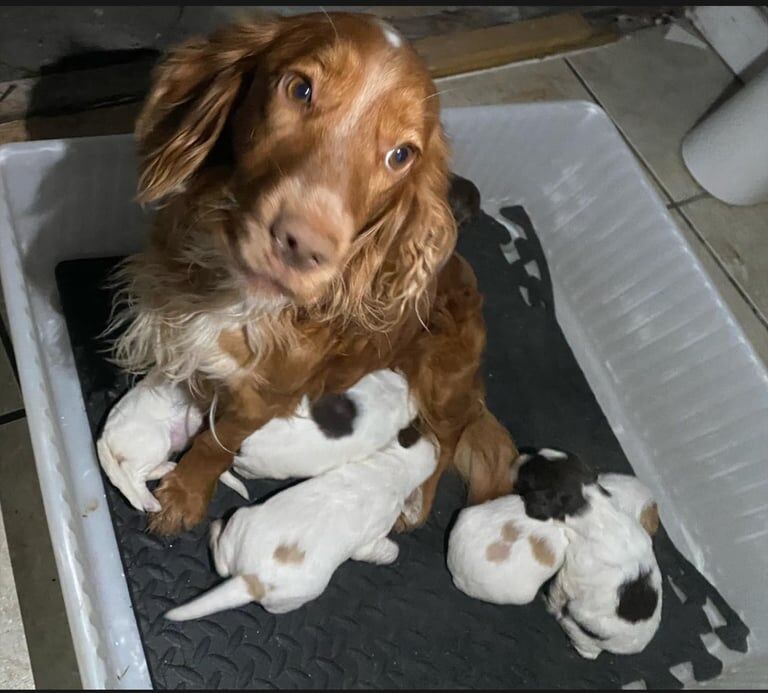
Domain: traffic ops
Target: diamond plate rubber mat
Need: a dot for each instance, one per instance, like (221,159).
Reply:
(404,625)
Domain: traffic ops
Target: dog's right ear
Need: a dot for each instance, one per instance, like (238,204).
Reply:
(192,94)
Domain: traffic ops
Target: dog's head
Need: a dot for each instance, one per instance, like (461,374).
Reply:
(324,132)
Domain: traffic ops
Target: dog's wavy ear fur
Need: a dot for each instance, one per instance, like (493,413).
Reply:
(192,94)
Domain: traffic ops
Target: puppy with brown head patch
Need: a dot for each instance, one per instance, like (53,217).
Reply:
(303,239)
(284,552)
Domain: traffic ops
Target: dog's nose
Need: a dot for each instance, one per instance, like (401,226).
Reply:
(299,245)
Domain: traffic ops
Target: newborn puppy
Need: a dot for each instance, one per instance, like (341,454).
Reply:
(335,430)
(283,552)
(498,554)
(151,422)
(633,498)
(607,595)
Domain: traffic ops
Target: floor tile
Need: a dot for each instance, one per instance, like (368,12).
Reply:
(15,669)
(37,582)
(739,238)
(754,328)
(547,80)
(656,90)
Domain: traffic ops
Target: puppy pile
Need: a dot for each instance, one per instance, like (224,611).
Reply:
(366,460)
(591,533)
(283,552)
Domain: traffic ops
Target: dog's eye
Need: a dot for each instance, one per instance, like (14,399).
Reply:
(299,89)
(398,157)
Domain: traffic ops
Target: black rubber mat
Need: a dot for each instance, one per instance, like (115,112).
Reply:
(405,625)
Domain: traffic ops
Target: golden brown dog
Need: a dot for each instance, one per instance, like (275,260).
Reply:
(303,240)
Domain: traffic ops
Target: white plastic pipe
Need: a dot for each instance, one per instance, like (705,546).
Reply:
(727,153)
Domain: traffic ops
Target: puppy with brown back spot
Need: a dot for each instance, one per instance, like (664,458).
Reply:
(504,550)
(499,554)
(283,552)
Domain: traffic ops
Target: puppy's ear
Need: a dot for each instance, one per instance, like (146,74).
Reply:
(192,94)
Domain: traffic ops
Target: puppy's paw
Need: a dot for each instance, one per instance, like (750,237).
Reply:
(129,470)
(414,512)
(182,506)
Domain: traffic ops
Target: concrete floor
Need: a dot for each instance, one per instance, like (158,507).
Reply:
(654,89)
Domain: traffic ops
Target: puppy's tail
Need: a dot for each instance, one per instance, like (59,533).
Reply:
(483,457)
(230,594)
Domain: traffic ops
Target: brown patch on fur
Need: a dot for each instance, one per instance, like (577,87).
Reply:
(255,587)
(497,552)
(509,532)
(288,554)
(649,519)
(542,551)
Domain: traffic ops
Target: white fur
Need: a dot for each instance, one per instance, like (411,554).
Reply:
(517,578)
(344,513)
(627,493)
(607,548)
(296,447)
(393,37)
(551,454)
(152,421)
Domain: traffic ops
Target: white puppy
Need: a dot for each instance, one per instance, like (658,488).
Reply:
(607,595)
(283,552)
(151,422)
(633,498)
(498,554)
(157,418)
(333,431)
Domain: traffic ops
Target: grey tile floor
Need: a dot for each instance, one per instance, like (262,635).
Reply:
(653,89)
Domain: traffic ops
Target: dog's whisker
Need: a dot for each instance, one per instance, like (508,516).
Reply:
(322,9)
(438,93)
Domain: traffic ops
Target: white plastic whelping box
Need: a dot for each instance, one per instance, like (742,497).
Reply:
(682,388)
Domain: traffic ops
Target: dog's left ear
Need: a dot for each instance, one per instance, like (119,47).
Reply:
(192,94)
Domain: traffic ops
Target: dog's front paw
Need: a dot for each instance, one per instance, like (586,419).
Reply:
(182,506)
